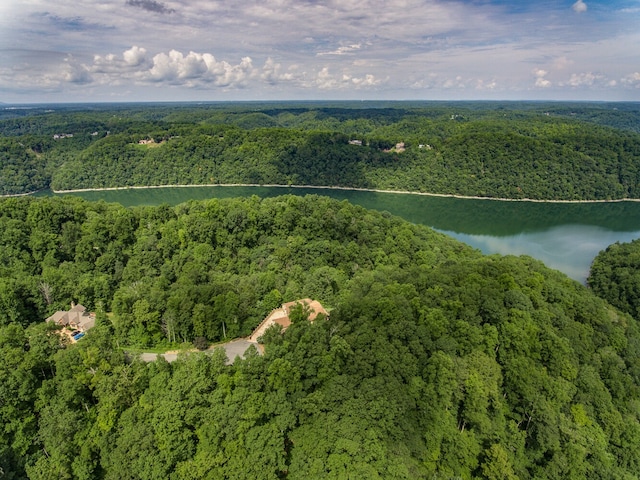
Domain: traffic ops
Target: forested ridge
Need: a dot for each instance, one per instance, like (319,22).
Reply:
(537,151)
(435,362)
(615,276)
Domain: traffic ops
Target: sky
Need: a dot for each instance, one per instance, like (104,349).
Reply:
(208,50)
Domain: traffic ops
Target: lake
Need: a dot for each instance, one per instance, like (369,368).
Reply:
(565,236)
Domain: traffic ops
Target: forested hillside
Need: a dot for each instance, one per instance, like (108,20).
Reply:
(538,151)
(615,276)
(435,362)
(21,169)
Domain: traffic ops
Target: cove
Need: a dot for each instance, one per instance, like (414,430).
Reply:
(565,236)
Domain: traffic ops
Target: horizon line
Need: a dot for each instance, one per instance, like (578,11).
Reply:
(203,102)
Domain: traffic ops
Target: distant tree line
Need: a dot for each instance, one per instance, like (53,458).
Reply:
(550,152)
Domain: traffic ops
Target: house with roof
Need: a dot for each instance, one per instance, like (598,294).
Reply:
(281,316)
(76,318)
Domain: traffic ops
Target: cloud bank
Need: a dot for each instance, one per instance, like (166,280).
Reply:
(173,49)
(190,70)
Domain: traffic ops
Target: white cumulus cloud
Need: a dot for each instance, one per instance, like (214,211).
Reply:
(367,81)
(174,66)
(74,72)
(272,72)
(579,7)
(541,82)
(584,79)
(131,61)
(486,85)
(135,56)
(632,80)
(325,80)
(226,75)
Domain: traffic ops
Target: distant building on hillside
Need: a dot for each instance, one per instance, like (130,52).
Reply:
(398,148)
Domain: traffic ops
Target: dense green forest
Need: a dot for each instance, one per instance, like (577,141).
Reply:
(615,276)
(501,150)
(435,362)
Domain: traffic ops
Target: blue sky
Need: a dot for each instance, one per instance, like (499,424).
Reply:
(201,50)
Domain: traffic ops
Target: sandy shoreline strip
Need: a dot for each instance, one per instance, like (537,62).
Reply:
(12,195)
(327,187)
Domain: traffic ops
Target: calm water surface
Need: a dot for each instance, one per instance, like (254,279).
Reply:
(565,236)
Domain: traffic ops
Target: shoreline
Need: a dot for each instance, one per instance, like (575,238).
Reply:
(327,187)
(13,195)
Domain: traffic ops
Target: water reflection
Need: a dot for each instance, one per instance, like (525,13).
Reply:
(568,248)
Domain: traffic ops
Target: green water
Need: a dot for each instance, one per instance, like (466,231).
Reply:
(566,236)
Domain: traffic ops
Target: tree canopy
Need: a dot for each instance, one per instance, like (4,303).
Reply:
(615,276)
(435,361)
(499,150)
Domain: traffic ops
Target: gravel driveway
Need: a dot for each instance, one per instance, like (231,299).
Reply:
(233,349)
